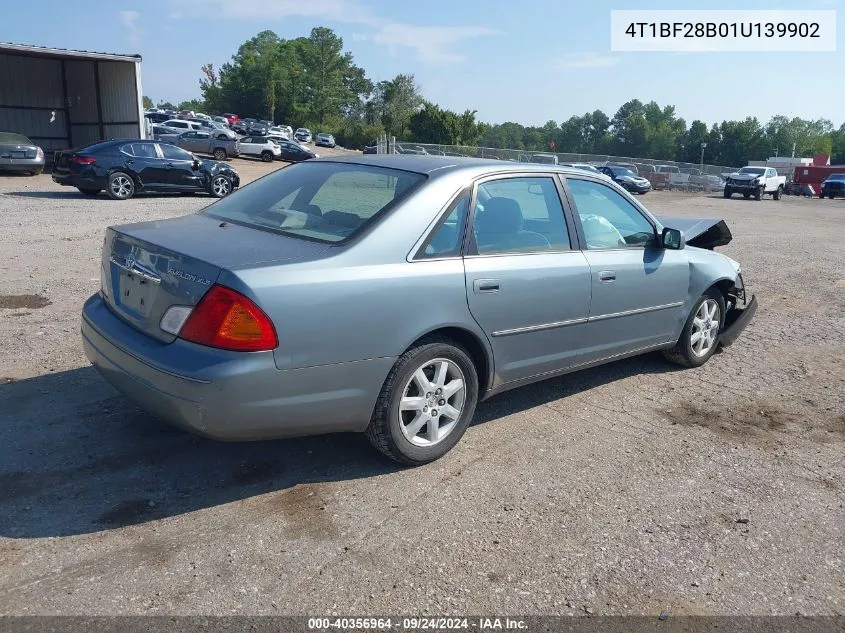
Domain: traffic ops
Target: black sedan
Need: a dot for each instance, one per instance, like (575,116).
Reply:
(129,166)
(626,178)
(833,185)
(292,152)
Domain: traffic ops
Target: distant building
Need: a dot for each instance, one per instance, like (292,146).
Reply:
(64,98)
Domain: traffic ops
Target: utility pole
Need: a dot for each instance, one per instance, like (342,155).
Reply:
(703,145)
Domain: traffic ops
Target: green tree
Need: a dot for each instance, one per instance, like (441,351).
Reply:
(147,102)
(401,99)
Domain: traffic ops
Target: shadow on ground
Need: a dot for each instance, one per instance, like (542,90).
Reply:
(76,457)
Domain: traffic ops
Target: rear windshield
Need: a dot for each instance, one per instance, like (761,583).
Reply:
(17,139)
(323,201)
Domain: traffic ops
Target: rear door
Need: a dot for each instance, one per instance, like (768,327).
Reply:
(248,146)
(527,287)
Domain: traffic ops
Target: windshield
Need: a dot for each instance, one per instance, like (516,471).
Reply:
(328,202)
(17,139)
(757,171)
(621,171)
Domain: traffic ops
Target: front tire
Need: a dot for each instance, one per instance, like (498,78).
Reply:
(830,195)
(121,186)
(700,336)
(220,154)
(221,187)
(777,194)
(758,195)
(426,403)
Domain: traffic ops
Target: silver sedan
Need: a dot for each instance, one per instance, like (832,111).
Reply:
(390,294)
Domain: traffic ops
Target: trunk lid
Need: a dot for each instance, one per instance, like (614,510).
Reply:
(15,150)
(151,266)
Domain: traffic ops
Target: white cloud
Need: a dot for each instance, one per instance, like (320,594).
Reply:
(586,60)
(430,44)
(174,15)
(129,19)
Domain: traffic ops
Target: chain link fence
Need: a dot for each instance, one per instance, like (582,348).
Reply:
(389,145)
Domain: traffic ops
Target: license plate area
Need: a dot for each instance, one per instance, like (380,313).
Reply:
(135,293)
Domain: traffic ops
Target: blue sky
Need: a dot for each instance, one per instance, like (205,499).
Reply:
(528,61)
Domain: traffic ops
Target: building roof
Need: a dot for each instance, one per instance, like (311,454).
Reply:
(64,53)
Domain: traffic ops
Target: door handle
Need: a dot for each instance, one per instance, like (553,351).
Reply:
(485,285)
(607,276)
(169,164)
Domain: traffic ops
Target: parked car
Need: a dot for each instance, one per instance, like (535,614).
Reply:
(626,178)
(231,118)
(585,166)
(183,124)
(261,147)
(221,119)
(832,186)
(545,159)
(164,133)
(282,131)
(257,128)
(125,167)
(303,135)
(372,148)
(755,181)
(292,151)
(325,140)
(157,117)
(212,142)
(239,127)
(673,177)
(18,153)
(293,306)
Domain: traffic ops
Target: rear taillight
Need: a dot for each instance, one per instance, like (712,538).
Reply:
(39,153)
(228,320)
(83,160)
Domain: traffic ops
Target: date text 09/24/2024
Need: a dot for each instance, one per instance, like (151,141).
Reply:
(417,624)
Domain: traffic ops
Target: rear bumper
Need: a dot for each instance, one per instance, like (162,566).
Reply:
(75,180)
(228,395)
(21,164)
(736,320)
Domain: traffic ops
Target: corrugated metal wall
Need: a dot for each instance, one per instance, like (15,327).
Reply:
(32,100)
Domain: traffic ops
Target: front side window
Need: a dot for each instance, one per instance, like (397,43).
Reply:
(171,152)
(518,215)
(327,202)
(608,219)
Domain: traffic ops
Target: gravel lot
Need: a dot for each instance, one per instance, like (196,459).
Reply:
(629,489)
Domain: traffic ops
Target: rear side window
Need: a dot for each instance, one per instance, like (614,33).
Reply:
(144,150)
(327,202)
(446,240)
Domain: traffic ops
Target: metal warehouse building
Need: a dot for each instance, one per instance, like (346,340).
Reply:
(63,98)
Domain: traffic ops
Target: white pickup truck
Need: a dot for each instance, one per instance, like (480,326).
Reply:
(755,181)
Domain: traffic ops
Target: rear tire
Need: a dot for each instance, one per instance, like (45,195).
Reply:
(220,154)
(89,192)
(746,195)
(830,195)
(426,403)
(700,336)
(121,186)
(267,157)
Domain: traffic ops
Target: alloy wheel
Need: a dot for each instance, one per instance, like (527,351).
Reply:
(121,187)
(432,402)
(221,186)
(705,328)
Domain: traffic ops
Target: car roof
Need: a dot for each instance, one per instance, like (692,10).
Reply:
(436,165)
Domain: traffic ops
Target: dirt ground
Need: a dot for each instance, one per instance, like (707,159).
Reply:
(633,488)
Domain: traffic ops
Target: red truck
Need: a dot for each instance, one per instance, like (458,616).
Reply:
(813,175)
(231,118)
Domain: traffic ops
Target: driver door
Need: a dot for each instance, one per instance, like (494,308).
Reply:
(180,168)
(639,289)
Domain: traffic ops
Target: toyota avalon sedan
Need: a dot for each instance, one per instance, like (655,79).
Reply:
(390,294)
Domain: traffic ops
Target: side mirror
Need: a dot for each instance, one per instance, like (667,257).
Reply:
(197,163)
(672,239)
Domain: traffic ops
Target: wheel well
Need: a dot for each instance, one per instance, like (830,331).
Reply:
(473,347)
(724,286)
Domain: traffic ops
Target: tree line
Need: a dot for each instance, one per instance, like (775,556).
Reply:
(312,82)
